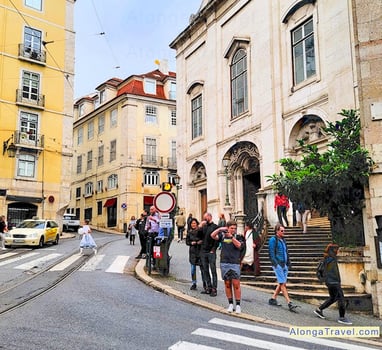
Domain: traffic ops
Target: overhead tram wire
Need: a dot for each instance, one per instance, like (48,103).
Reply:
(103,33)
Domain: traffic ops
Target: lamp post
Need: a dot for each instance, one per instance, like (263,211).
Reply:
(177,186)
(226,161)
(10,149)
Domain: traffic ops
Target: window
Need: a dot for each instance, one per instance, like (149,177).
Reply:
(99,208)
(26,165)
(196,116)
(36,4)
(81,110)
(173,117)
(113,118)
(90,160)
(32,41)
(151,178)
(100,186)
(112,181)
(90,130)
(100,155)
(304,64)
(171,178)
(88,189)
(101,124)
(102,96)
(113,150)
(150,86)
(28,127)
(78,192)
(151,149)
(151,114)
(239,89)
(79,164)
(80,136)
(172,94)
(31,86)
(173,149)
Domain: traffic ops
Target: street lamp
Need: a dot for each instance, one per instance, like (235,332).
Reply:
(177,186)
(10,149)
(226,161)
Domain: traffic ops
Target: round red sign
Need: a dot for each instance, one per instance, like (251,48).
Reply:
(164,202)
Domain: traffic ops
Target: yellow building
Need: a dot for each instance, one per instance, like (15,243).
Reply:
(36,94)
(124,147)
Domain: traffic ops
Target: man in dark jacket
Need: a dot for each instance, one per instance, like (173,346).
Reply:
(140,226)
(208,256)
(333,283)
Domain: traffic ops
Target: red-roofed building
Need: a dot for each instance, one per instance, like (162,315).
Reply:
(124,140)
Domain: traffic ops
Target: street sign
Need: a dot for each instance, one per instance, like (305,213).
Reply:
(164,202)
(123,205)
(165,223)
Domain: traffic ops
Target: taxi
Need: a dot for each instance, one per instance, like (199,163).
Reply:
(33,233)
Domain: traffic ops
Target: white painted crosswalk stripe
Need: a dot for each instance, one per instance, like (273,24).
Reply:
(66,263)
(7,255)
(240,339)
(277,333)
(29,265)
(18,258)
(184,345)
(92,263)
(118,264)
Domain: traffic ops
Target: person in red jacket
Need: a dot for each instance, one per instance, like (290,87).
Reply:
(282,206)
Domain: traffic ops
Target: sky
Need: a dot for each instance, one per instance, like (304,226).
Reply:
(118,38)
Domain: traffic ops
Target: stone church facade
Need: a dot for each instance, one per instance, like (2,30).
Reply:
(255,76)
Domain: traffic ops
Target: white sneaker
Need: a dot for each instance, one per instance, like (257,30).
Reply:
(238,309)
(230,308)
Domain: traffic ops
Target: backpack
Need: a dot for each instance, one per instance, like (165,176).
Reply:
(321,271)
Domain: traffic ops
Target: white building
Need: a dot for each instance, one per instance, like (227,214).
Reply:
(254,76)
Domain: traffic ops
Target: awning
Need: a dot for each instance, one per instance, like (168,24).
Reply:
(24,199)
(110,202)
(148,200)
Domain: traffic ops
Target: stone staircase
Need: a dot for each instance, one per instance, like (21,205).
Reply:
(305,251)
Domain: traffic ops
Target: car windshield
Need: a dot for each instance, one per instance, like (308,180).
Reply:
(32,224)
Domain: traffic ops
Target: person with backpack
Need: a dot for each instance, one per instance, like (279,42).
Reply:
(278,254)
(331,277)
(230,257)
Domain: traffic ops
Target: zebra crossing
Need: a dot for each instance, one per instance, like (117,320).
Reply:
(253,336)
(31,260)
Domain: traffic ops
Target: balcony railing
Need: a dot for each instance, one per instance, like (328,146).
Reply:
(32,54)
(151,161)
(25,139)
(30,99)
(171,163)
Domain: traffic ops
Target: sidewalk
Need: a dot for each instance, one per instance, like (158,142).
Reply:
(254,303)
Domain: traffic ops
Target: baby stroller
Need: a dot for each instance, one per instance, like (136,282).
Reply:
(87,244)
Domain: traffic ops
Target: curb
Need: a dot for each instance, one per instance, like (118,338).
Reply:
(141,275)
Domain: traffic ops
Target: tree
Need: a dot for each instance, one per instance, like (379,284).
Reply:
(333,181)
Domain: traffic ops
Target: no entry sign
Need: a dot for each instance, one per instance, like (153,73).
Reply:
(164,202)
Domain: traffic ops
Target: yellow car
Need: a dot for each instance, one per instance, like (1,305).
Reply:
(33,233)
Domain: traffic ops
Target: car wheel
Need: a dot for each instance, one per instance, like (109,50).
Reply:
(55,242)
(41,243)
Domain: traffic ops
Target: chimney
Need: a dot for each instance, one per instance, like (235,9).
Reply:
(163,66)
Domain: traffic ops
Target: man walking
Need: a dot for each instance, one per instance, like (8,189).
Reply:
(208,256)
(180,222)
(278,254)
(333,282)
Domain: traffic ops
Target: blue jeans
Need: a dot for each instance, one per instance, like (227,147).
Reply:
(209,263)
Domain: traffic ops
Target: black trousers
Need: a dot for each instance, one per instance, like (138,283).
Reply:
(336,294)
(143,242)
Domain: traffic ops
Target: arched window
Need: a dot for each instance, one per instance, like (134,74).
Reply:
(239,84)
(112,181)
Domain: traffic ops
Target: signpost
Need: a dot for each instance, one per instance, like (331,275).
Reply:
(164,202)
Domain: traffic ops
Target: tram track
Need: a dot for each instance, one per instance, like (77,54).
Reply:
(40,282)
